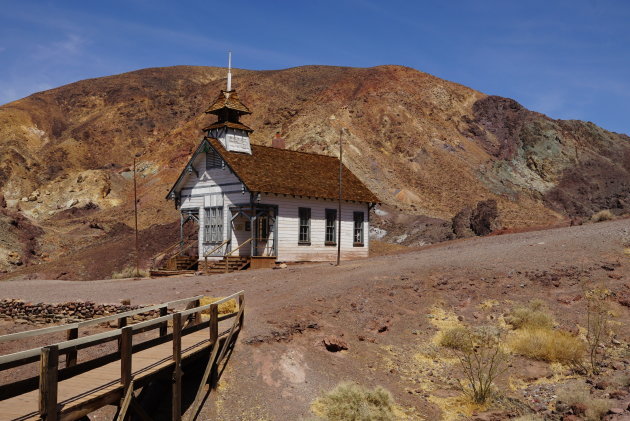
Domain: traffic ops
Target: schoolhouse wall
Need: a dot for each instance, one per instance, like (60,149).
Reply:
(288,229)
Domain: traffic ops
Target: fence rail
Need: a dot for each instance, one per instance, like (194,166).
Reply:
(185,324)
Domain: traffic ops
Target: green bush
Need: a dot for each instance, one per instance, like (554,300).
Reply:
(351,402)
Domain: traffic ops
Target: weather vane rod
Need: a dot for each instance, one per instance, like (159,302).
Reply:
(229,78)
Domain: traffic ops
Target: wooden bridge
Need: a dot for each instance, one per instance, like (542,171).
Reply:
(132,360)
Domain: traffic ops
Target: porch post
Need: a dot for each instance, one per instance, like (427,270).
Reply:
(181,231)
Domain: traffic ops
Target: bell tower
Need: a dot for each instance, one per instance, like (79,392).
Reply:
(233,135)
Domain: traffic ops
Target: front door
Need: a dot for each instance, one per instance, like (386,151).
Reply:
(265,244)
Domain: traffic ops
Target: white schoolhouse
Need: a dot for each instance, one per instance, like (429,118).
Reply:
(259,205)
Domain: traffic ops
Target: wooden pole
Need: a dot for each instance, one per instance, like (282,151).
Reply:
(135,213)
(71,356)
(214,337)
(177,369)
(126,343)
(164,326)
(339,204)
(49,365)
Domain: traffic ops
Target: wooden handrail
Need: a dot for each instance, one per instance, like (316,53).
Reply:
(242,244)
(50,373)
(90,322)
(208,253)
(106,335)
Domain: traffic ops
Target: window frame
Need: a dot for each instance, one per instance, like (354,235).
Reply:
(307,240)
(213,225)
(332,228)
(358,229)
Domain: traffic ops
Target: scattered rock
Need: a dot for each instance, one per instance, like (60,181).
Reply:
(579,408)
(70,203)
(334,344)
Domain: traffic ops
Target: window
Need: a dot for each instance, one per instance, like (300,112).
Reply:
(331,227)
(358,229)
(305,226)
(213,160)
(214,225)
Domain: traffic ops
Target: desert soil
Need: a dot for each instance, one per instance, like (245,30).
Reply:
(387,310)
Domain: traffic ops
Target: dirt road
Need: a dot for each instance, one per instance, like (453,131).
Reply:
(383,308)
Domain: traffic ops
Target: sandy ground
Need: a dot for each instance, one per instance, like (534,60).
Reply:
(381,307)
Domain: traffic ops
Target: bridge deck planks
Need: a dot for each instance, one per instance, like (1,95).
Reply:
(93,385)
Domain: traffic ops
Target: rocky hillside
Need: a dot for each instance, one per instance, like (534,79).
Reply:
(427,147)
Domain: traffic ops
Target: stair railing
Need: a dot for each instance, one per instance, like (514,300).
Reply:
(170,249)
(208,253)
(228,255)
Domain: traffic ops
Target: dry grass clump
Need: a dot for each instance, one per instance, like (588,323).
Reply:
(549,345)
(603,215)
(532,316)
(596,408)
(130,272)
(227,307)
(351,402)
(537,339)
(456,338)
(530,417)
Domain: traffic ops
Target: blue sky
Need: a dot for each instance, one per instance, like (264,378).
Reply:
(567,59)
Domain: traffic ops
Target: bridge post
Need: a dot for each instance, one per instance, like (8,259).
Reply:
(126,343)
(71,356)
(177,369)
(164,326)
(214,337)
(241,302)
(49,365)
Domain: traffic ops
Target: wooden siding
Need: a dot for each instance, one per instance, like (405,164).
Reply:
(221,185)
(288,219)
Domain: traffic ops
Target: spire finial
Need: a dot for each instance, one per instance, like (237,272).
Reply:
(229,76)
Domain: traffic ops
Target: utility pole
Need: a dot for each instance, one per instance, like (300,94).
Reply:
(135,212)
(339,204)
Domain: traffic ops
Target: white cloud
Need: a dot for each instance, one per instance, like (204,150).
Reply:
(69,47)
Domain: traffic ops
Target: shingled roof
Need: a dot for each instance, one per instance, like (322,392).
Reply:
(282,171)
(228,100)
(229,124)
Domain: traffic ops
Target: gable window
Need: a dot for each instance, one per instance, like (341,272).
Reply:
(331,227)
(213,160)
(304,237)
(358,229)
(213,229)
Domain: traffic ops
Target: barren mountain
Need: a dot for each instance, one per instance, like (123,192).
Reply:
(428,148)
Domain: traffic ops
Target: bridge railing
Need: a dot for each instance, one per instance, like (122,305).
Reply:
(183,322)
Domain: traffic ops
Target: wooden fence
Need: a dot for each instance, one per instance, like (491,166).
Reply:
(188,324)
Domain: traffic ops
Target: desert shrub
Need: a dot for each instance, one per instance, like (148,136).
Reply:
(596,408)
(598,327)
(602,215)
(455,338)
(532,316)
(129,272)
(530,417)
(351,402)
(227,307)
(548,345)
(481,359)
